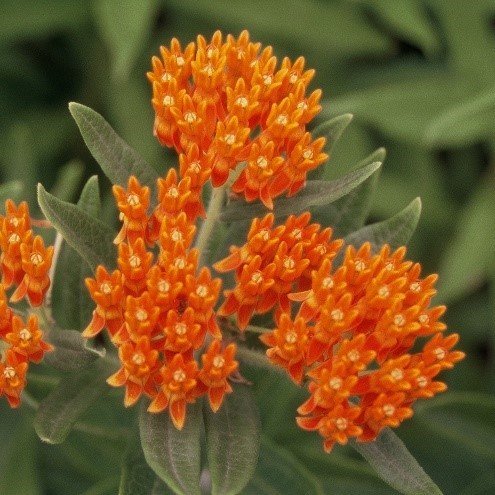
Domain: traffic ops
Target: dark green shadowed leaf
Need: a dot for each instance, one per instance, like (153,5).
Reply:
(333,129)
(175,456)
(68,181)
(315,193)
(11,190)
(91,238)
(58,412)
(389,457)
(72,305)
(350,212)
(72,351)
(115,157)
(280,473)
(395,231)
(232,441)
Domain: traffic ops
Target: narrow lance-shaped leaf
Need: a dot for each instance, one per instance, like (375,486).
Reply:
(90,237)
(316,193)
(333,129)
(115,157)
(175,456)
(68,180)
(395,231)
(232,441)
(389,457)
(58,412)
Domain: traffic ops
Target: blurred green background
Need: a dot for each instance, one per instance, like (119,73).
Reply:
(419,77)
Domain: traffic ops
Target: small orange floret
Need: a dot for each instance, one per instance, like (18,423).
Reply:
(13,377)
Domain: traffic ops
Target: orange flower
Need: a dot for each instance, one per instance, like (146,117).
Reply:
(134,263)
(182,333)
(218,365)
(177,388)
(27,340)
(5,314)
(36,262)
(13,378)
(176,230)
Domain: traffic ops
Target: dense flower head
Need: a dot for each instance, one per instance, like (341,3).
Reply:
(226,101)
(25,263)
(159,305)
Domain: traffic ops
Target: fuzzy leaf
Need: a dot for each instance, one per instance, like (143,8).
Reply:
(395,231)
(333,129)
(90,237)
(316,193)
(68,181)
(389,457)
(115,157)
(72,351)
(58,412)
(175,456)
(232,441)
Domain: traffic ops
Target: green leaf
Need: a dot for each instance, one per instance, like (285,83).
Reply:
(125,27)
(389,457)
(68,180)
(468,256)
(232,441)
(316,193)
(175,456)
(350,212)
(11,190)
(75,393)
(91,238)
(72,351)
(280,473)
(395,231)
(465,123)
(115,157)
(72,304)
(333,129)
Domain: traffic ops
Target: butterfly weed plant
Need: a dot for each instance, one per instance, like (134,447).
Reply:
(225,262)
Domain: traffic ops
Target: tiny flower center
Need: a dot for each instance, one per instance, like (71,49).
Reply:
(399,320)
(337,315)
(133,199)
(335,383)
(180,329)
(173,192)
(282,119)
(262,162)
(141,315)
(422,381)
(424,319)
(163,286)
(179,375)
(106,288)
(389,266)
(168,101)
(166,76)
(218,361)
(307,154)
(135,261)
(383,292)
(195,167)
(36,259)
(180,61)
(388,410)
(440,353)
(341,424)
(293,78)
(257,278)
(353,355)
(190,117)
(397,374)
(302,105)
(264,234)
(241,101)
(289,263)
(297,233)
(176,235)
(415,287)
(202,290)
(327,283)
(267,79)
(138,359)
(9,372)
(25,334)
(14,221)
(180,263)
(14,238)
(291,337)
(229,139)
(359,265)
(321,249)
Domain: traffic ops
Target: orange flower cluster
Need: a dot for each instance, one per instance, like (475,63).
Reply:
(274,262)
(355,330)
(25,262)
(219,103)
(159,311)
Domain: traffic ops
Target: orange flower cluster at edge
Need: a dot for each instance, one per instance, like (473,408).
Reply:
(220,103)
(25,262)
(160,311)
(355,330)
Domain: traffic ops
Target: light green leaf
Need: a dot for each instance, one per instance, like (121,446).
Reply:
(316,193)
(125,27)
(350,212)
(115,157)
(333,129)
(280,473)
(468,256)
(395,231)
(72,351)
(68,180)
(91,238)
(58,412)
(465,123)
(395,465)
(232,441)
(72,305)
(175,456)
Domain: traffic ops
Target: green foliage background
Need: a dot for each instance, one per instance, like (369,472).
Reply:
(419,77)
